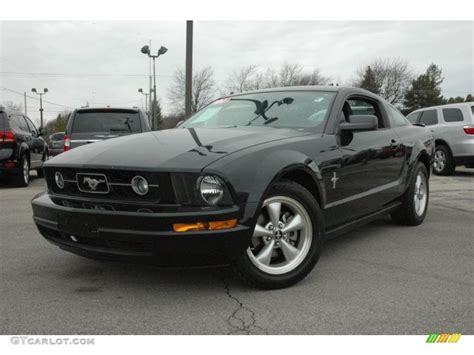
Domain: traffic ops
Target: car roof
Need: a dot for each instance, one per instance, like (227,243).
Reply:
(459,104)
(307,88)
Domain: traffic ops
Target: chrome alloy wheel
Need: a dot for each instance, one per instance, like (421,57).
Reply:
(421,194)
(282,236)
(439,161)
(26,171)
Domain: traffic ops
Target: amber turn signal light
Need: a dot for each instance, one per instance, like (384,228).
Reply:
(200,226)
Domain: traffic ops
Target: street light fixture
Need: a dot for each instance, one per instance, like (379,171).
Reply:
(146,100)
(146,50)
(45,90)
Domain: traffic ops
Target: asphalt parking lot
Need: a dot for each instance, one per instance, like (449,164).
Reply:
(380,279)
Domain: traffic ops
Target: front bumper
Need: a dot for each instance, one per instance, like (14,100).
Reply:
(142,236)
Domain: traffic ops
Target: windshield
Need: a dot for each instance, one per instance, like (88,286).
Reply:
(291,109)
(110,122)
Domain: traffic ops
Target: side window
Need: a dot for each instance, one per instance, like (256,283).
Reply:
(360,106)
(429,118)
(31,126)
(412,117)
(452,115)
(396,118)
(18,122)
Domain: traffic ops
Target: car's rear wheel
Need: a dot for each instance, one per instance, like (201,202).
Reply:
(443,162)
(286,242)
(415,201)
(22,179)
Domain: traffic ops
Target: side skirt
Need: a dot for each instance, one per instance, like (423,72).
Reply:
(337,231)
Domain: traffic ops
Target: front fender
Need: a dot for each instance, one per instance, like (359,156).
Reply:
(251,172)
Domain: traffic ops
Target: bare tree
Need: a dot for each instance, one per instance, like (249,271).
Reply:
(13,106)
(244,79)
(294,75)
(270,79)
(391,77)
(289,74)
(203,89)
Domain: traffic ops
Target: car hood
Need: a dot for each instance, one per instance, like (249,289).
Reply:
(183,149)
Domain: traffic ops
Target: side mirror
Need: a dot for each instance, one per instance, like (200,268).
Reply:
(179,124)
(360,123)
(42,131)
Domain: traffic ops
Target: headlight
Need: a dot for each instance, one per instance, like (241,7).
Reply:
(58,178)
(140,185)
(212,189)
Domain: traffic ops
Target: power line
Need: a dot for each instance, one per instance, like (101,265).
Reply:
(74,75)
(35,98)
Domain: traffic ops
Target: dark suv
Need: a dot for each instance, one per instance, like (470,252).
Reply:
(89,125)
(21,147)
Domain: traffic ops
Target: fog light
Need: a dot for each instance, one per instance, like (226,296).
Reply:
(212,189)
(140,185)
(58,177)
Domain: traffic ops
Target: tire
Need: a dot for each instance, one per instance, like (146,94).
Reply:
(443,162)
(22,179)
(280,257)
(413,213)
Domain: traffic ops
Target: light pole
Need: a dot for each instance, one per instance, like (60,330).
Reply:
(161,51)
(45,90)
(146,100)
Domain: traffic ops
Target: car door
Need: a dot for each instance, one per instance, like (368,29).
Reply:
(22,132)
(37,146)
(372,161)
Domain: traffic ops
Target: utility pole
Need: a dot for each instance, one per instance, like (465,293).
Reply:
(45,90)
(26,110)
(189,69)
(149,89)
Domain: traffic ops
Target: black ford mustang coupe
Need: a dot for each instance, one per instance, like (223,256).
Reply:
(258,180)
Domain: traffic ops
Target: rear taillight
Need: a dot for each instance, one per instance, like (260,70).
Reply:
(7,136)
(67,143)
(469,129)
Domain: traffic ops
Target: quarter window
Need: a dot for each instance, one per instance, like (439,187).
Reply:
(413,117)
(429,118)
(452,115)
(396,117)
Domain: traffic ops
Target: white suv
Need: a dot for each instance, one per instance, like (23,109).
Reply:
(453,129)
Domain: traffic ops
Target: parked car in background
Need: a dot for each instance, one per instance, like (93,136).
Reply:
(89,125)
(258,180)
(453,129)
(56,143)
(21,147)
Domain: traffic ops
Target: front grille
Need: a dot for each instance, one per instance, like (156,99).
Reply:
(118,186)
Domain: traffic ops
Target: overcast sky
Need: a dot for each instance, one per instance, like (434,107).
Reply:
(101,63)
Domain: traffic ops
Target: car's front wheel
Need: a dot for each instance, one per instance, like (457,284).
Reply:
(287,239)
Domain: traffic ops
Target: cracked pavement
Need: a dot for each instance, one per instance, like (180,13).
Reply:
(379,279)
